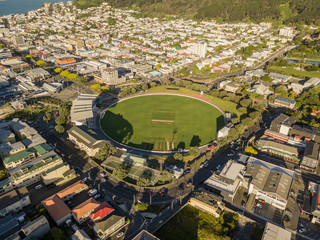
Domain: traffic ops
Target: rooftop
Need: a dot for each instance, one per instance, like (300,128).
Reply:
(56,207)
(274,232)
(18,156)
(86,207)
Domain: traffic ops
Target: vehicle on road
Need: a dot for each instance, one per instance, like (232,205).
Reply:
(302,230)
(162,192)
(38,186)
(189,183)
(218,167)
(84,179)
(92,192)
(230,154)
(102,174)
(97,196)
(201,165)
(120,234)
(90,179)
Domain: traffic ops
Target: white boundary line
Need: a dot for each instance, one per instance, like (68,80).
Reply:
(150,94)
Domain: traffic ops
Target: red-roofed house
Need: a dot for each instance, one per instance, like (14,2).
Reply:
(104,210)
(82,212)
(57,209)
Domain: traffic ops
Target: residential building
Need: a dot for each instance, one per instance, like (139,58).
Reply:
(102,212)
(310,160)
(56,173)
(145,235)
(286,31)
(285,102)
(200,49)
(232,87)
(82,212)
(20,158)
(110,76)
(106,228)
(84,141)
(268,182)
(8,148)
(80,235)
(226,182)
(37,74)
(82,109)
(57,209)
(274,232)
(7,136)
(56,206)
(37,228)
(14,201)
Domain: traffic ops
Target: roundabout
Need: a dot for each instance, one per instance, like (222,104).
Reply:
(162,122)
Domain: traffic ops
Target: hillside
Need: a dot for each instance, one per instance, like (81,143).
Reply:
(283,11)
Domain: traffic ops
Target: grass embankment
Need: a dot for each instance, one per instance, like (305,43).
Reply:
(294,72)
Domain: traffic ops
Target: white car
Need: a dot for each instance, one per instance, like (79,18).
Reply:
(90,179)
(84,179)
(230,154)
(302,230)
(97,196)
(38,186)
(218,167)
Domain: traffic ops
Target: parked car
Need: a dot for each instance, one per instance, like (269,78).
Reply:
(189,183)
(230,154)
(218,167)
(302,230)
(92,192)
(97,196)
(90,179)
(84,179)
(38,186)
(120,234)
(201,165)
(162,192)
(102,174)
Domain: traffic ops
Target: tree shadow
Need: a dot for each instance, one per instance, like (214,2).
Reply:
(220,122)
(181,145)
(195,141)
(116,127)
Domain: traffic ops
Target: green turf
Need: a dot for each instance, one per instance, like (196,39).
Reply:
(294,72)
(182,120)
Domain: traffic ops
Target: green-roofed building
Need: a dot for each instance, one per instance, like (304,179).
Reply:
(133,159)
(42,148)
(18,158)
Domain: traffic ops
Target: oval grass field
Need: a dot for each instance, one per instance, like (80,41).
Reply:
(162,122)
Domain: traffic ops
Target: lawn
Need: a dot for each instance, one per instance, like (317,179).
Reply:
(225,105)
(191,223)
(162,122)
(294,72)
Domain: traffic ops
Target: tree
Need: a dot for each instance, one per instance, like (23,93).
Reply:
(58,70)
(194,151)
(41,63)
(47,117)
(120,173)
(143,182)
(64,73)
(63,111)
(55,234)
(60,120)
(105,151)
(145,87)
(59,128)
(178,156)
(4,174)
(245,103)
(165,176)
(250,150)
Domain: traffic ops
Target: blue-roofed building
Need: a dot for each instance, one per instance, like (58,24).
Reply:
(285,102)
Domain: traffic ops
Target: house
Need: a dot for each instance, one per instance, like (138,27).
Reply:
(57,209)
(19,158)
(261,89)
(145,235)
(65,61)
(80,235)
(311,82)
(285,102)
(7,136)
(37,228)
(84,141)
(102,212)
(8,148)
(82,212)
(232,87)
(133,159)
(14,201)
(104,229)
(274,232)
(279,78)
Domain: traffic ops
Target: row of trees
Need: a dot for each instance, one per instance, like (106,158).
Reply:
(132,89)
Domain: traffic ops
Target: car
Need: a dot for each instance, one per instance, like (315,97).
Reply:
(74,227)
(218,167)
(97,196)
(92,192)
(162,192)
(259,205)
(103,190)
(119,185)
(206,165)
(302,230)
(189,183)
(230,154)
(289,212)
(102,174)
(201,165)
(38,186)
(69,202)
(120,234)
(90,179)
(84,179)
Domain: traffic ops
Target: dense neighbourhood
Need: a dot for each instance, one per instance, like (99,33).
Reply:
(61,177)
